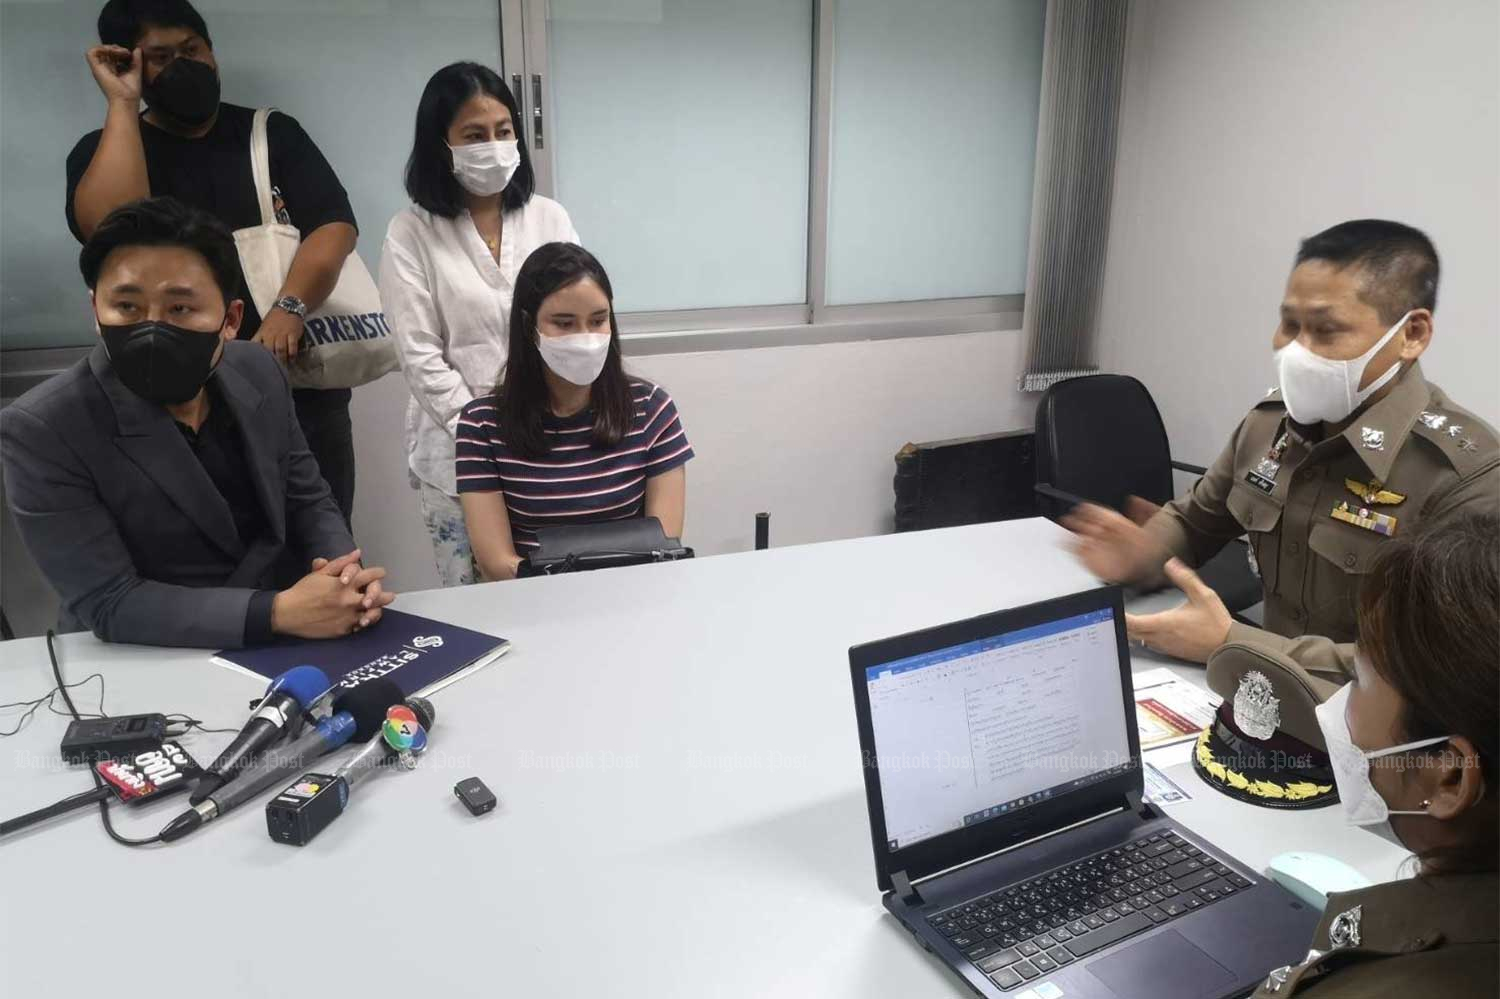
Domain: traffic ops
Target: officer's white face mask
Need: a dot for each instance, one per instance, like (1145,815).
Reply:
(576,357)
(484,168)
(1318,390)
(1362,803)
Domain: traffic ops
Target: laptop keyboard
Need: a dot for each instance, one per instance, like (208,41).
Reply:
(1019,933)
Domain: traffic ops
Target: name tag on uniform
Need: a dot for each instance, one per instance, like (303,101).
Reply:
(1263,475)
(1380,523)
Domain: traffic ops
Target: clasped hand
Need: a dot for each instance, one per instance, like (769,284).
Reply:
(338,597)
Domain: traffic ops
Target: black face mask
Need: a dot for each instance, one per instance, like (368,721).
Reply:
(186,91)
(160,362)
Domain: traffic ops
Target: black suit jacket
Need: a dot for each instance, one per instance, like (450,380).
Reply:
(128,527)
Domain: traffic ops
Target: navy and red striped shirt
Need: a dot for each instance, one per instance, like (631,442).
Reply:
(575,482)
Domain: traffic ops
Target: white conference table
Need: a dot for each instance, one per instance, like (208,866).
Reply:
(681,802)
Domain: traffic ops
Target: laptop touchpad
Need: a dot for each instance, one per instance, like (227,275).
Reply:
(1165,966)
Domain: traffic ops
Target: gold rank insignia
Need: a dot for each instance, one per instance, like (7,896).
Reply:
(1380,523)
(1374,492)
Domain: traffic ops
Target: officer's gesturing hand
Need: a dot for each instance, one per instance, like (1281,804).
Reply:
(1193,629)
(1114,547)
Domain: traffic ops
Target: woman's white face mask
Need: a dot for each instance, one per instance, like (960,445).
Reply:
(1318,390)
(485,168)
(1362,803)
(575,357)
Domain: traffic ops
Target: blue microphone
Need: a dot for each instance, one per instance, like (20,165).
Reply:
(286,698)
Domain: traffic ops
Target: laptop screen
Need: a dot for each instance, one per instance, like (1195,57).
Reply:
(979,730)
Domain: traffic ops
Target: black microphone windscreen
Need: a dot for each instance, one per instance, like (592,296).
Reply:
(368,703)
(423,709)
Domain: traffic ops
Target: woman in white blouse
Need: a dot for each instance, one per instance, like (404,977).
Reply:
(448,271)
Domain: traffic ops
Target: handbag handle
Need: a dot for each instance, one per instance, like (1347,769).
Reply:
(260,165)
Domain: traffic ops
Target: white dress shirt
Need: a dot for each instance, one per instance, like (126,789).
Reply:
(447,301)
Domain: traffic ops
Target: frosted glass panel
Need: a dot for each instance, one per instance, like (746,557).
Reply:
(680,145)
(934,136)
(349,70)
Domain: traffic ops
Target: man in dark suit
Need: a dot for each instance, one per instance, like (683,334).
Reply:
(163,484)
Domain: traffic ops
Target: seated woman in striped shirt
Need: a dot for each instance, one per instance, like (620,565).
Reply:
(568,437)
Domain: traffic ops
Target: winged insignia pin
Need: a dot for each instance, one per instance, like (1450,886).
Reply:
(1374,492)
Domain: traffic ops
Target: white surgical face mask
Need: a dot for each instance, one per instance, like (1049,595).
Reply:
(1316,389)
(576,357)
(1363,805)
(484,168)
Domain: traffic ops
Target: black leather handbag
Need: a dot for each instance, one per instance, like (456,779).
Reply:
(577,548)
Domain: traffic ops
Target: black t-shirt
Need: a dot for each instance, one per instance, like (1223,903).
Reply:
(220,449)
(212,173)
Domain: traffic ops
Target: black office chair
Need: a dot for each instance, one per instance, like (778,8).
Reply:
(1101,438)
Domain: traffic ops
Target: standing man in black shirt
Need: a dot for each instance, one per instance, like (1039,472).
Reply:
(194,148)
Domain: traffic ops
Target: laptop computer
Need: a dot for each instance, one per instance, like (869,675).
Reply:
(1003,776)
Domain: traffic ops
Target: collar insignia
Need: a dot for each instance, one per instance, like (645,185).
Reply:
(1344,932)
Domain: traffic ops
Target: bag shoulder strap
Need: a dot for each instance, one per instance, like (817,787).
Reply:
(260,165)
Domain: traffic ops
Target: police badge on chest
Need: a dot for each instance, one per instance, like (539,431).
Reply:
(1263,475)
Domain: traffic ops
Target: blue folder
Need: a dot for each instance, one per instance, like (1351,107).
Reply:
(419,654)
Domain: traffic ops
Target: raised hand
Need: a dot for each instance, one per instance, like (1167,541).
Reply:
(1112,546)
(117,70)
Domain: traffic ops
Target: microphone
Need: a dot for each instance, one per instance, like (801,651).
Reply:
(359,712)
(313,801)
(403,736)
(286,698)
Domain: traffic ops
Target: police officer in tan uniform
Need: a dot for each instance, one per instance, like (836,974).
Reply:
(1413,746)
(1352,449)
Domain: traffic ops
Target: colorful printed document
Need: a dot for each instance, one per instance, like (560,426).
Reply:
(1169,709)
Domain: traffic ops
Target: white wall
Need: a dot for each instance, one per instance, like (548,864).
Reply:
(1248,126)
(807,433)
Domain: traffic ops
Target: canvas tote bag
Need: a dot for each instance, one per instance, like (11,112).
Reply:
(345,341)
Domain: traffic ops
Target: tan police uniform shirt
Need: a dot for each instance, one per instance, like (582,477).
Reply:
(1428,936)
(1318,511)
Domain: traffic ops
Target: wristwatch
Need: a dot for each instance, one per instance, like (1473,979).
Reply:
(292,304)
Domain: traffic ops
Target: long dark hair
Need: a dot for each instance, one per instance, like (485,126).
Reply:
(522,396)
(429,169)
(1429,623)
